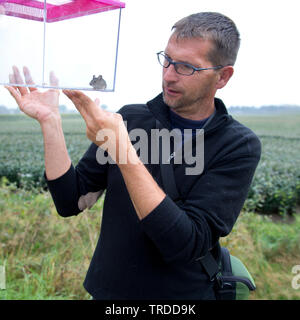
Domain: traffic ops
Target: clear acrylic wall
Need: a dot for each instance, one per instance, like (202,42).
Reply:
(77,40)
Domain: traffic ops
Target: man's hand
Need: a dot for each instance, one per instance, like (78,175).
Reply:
(106,129)
(36,104)
(101,124)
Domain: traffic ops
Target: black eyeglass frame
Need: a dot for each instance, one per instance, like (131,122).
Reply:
(170,61)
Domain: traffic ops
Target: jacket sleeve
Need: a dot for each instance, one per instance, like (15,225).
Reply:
(80,187)
(185,232)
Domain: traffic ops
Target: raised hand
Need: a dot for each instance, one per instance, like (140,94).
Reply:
(36,104)
(106,129)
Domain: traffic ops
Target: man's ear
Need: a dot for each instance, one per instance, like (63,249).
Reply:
(224,75)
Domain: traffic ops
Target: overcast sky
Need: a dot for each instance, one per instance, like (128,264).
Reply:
(266,72)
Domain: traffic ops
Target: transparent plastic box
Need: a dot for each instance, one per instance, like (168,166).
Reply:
(77,40)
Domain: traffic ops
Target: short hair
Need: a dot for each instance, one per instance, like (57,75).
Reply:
(216,27)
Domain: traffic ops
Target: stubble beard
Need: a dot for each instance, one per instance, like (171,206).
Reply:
(182,103)
(174,103)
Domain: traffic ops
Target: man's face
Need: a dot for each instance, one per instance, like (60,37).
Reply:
(188,93)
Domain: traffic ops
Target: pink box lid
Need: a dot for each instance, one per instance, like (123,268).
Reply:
(56,10)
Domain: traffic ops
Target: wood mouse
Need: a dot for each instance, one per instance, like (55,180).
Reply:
(98,83)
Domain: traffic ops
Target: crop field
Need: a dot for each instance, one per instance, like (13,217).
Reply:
(46,257)
(275,189)
(21,153)
(276,185)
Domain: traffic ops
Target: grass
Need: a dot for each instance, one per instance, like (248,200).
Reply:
(22,149)
(47,256)
(269,250)
(280,125)
(276,184)
(275,188)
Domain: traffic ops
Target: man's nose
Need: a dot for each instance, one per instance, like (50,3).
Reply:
(170,73)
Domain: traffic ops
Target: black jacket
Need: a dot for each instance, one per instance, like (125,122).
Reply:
(155,258)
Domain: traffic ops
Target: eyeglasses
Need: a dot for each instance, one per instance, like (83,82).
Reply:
(183,68)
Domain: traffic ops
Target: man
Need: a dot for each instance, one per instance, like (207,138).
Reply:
(149,244)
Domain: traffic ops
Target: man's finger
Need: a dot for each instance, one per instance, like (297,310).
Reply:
(77,103)
(53,79)
(14,93)
(70,94)
(80,96)
(80,100)
(28,79)
(11,79)
(18,80)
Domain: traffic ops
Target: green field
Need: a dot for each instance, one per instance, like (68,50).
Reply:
(276,185)
(46,257)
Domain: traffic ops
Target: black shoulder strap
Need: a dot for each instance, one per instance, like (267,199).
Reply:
(167,172)
(210,265)
(208,262)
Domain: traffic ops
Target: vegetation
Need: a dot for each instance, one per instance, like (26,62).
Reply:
(21,153)
(275,189)
(263,110)
(46,256)
(276,185)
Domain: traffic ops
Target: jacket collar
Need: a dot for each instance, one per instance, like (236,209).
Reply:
(161,112)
